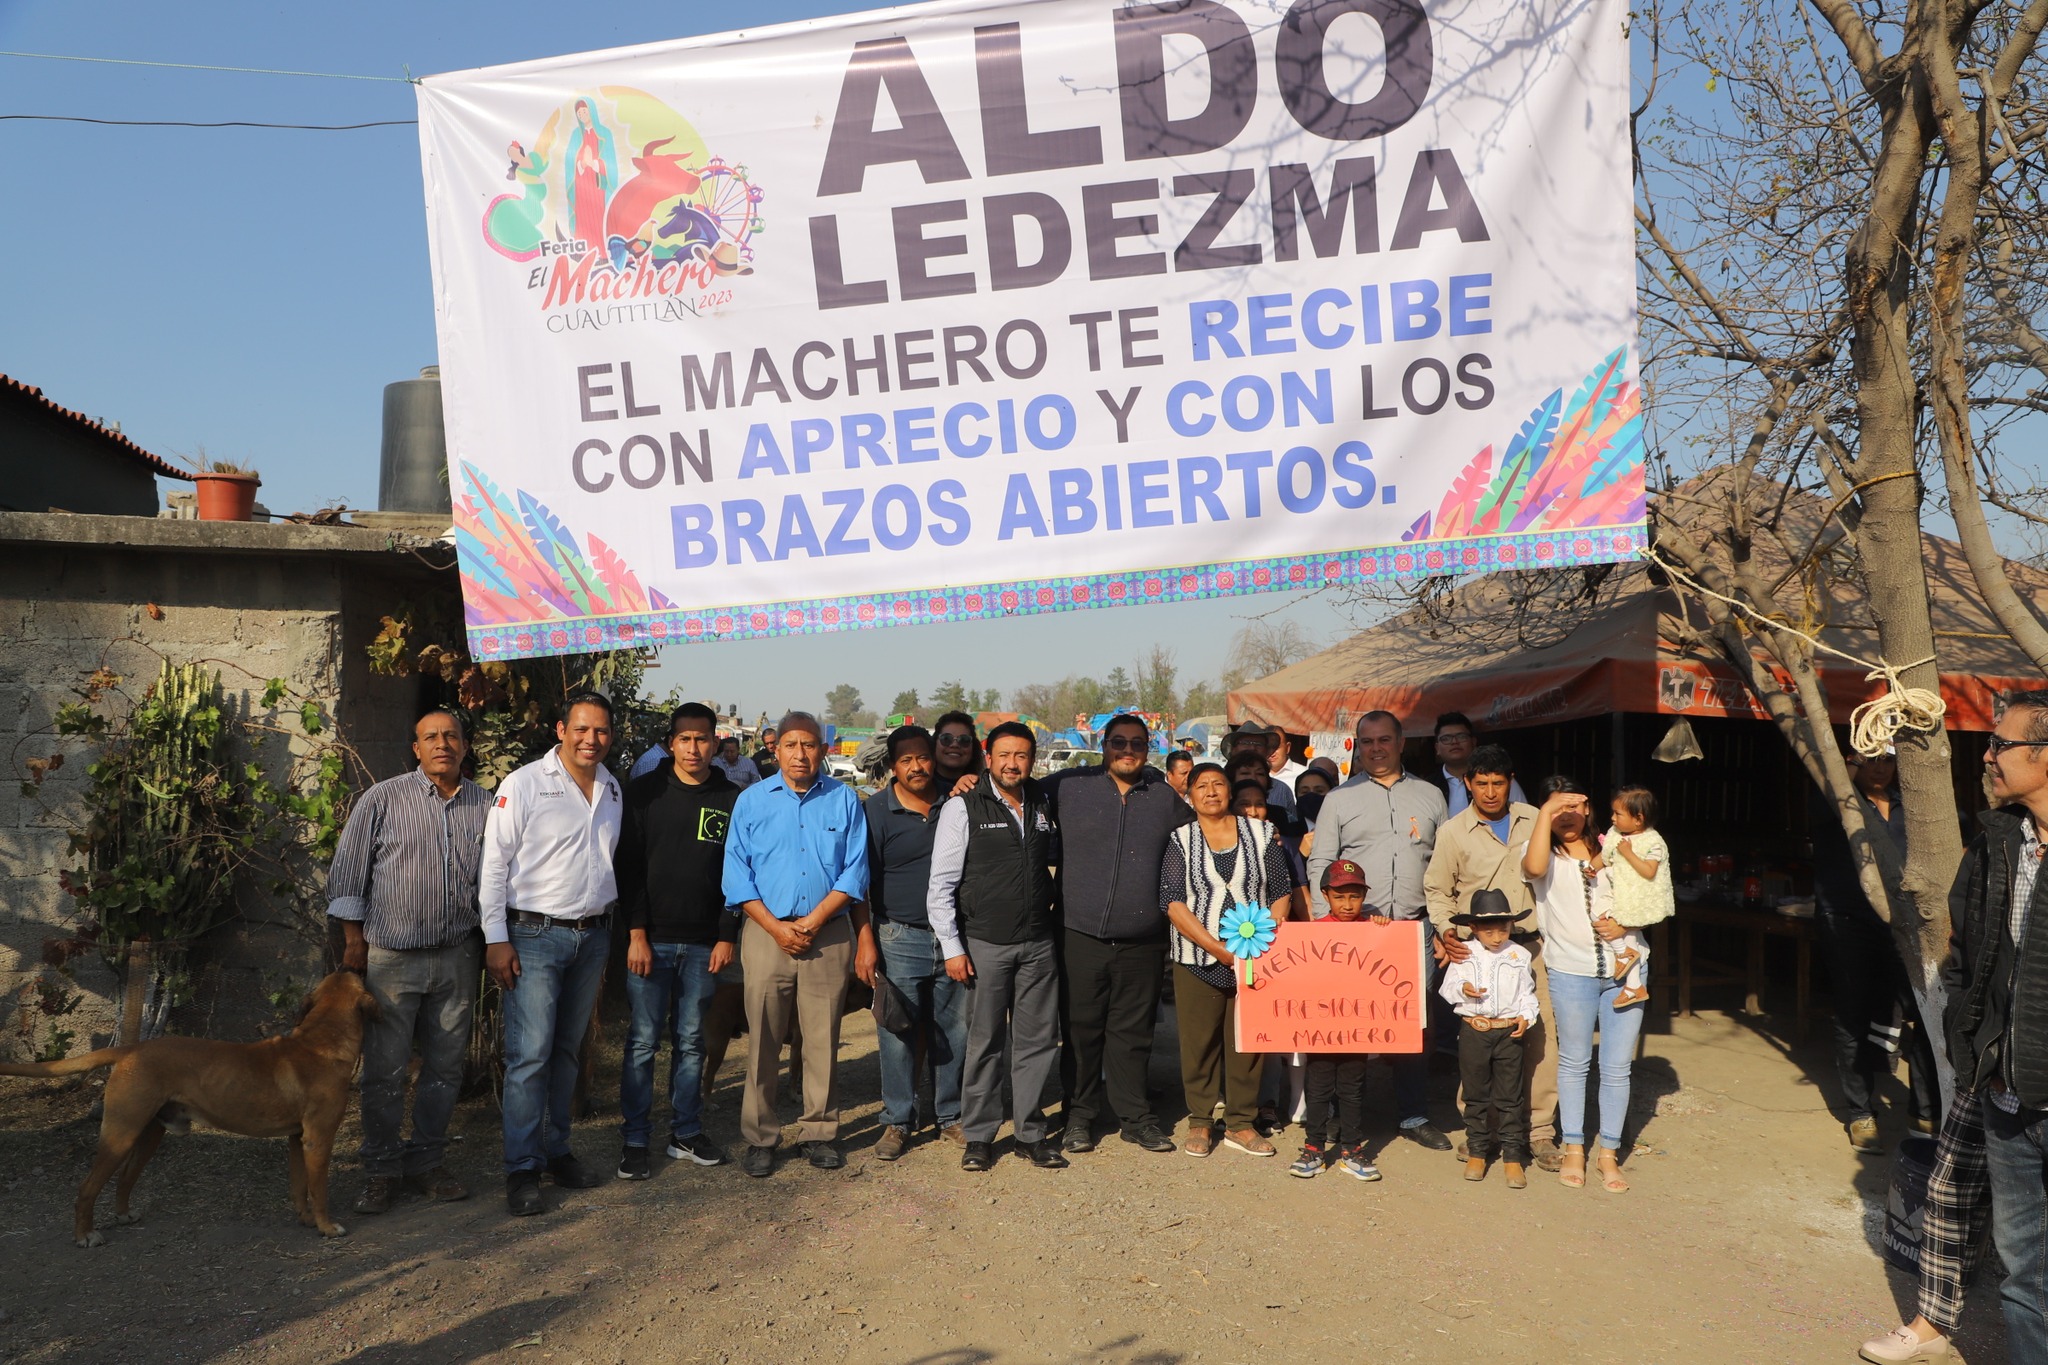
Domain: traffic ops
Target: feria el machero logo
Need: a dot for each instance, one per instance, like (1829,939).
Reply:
(618,201)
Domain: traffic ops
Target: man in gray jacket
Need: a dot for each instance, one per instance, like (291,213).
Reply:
(1114,819)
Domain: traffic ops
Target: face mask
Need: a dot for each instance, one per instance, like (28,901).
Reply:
(1310,805)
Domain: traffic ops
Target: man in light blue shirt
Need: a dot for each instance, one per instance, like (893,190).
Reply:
(796,866)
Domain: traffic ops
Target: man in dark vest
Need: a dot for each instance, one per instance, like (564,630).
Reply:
(990,904)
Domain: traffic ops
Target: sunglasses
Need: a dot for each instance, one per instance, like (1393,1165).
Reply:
(1125,744)
(1997,746)
(957,741)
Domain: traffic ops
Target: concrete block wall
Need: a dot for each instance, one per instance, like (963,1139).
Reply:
(253,602)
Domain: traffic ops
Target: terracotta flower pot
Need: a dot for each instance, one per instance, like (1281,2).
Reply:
(226,497)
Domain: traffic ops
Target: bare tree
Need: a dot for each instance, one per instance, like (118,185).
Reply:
(1842,264)
(1265,645)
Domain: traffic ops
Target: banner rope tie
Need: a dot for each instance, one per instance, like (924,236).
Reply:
(1873,726)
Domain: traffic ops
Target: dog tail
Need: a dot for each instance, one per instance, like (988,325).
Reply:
(70,1066)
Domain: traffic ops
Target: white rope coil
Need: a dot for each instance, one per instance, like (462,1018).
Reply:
(1873,726)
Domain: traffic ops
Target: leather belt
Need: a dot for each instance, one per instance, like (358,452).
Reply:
(581,926)
(1487,1025)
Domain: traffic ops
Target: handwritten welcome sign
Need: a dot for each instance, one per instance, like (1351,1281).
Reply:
(1330,987)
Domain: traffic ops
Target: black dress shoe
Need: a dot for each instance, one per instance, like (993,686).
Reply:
(1045,1154)
(979,1156)
(1150,1137)
(571,1174)
(522,1194)
(1427,1135)
(823,1156)
(758,1161)
(1079,1140)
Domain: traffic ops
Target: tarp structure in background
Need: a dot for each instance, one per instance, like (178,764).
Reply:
(1507,667)
(973,310)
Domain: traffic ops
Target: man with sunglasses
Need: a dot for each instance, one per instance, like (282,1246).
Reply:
(1996,979)
(1114,819)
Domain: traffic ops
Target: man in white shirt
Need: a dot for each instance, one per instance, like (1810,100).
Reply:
(547,890)
(741,770)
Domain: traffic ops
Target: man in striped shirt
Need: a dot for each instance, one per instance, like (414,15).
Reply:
(403,888)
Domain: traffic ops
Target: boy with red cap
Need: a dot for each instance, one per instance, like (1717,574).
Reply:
(1336,1080)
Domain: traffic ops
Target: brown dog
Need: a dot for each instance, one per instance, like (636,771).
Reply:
(294,1087)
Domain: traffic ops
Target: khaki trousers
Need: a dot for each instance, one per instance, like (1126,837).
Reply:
(1539,1058)
(780,990)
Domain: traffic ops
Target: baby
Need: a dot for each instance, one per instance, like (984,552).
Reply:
(1641,865)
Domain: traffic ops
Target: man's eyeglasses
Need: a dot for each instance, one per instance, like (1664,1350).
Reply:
(1454,737)
(1999,745)
(1126,744)
(957,741)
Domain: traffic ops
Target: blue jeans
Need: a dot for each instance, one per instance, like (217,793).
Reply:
(2016,1155)
(546,1014)
(910,959)
(670,998)
(1581,1002)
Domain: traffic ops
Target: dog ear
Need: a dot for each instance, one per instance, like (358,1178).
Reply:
(366,1003)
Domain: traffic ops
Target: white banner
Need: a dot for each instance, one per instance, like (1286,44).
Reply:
(977,309)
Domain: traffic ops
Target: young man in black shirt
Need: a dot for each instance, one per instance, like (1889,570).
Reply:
(670,866)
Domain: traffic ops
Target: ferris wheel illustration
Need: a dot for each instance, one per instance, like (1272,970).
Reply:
(717,220)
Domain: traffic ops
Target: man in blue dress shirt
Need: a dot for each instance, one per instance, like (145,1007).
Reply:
(796,866)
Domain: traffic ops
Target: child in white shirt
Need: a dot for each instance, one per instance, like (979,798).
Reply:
(1493,989)
(1640,864)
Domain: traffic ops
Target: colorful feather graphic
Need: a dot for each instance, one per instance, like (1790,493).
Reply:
(619,583)
(1575,445)
(497,528)
(1455,513)
(1625,450)
(555,542)
(1525,454)
(1420,530)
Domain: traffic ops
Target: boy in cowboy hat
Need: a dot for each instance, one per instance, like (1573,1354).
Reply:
(1494,991)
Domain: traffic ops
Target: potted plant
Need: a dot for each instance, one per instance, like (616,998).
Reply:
(226,490)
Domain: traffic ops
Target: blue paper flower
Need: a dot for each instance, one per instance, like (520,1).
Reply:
(1247,930)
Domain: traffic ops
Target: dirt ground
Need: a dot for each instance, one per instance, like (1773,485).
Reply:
(1750,1236)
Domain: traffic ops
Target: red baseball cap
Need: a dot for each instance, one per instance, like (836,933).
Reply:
(1343,872)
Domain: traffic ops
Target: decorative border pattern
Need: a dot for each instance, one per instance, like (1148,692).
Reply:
(1033,597)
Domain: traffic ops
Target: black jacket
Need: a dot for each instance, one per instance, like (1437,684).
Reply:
(671,857)
(1006,891)
(1111,846)
(1997,997)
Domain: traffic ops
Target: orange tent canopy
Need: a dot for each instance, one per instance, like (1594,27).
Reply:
(1515,650)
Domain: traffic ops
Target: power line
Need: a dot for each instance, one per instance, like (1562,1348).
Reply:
(194,66)
(226,123)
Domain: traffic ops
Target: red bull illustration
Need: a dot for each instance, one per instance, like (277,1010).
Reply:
(619,195)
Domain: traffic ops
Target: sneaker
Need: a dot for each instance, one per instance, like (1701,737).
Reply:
(758,1162)
(376,1195)
(1863,1135)
(894,1143)
(1309,1164)
(1354,1164)
(633,1164)
(437,1185)
(1427,1135)
(571,1174)
(697,1148)
(1900,1347)
(1248,1141)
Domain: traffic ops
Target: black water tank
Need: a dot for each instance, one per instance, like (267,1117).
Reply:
(413,468)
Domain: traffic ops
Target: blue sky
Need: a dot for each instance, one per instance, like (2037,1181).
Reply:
(249,292)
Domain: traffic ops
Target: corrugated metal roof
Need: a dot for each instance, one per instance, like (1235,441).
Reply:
(156,463)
